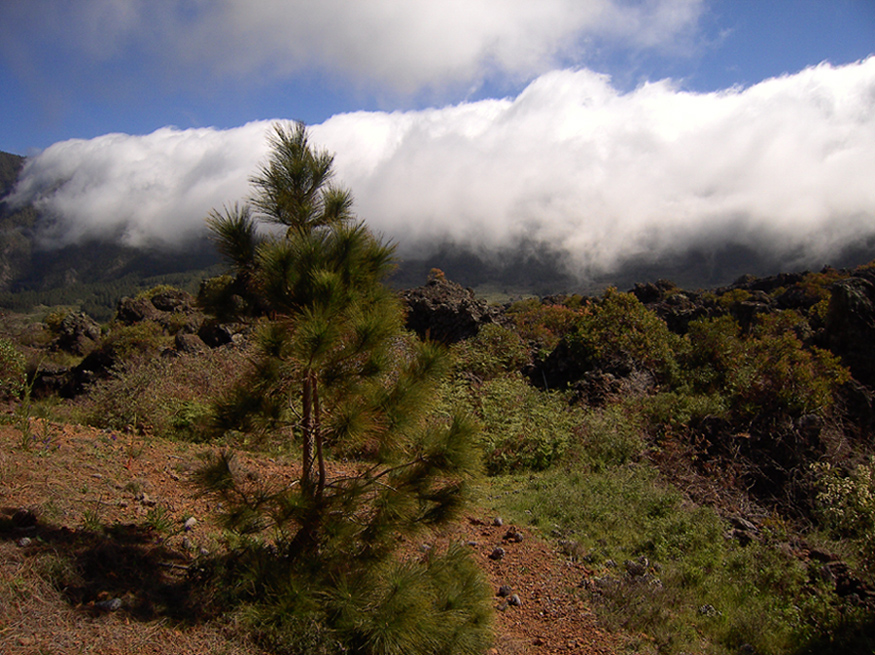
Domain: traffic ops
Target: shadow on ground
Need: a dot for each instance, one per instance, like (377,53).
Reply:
(126,568)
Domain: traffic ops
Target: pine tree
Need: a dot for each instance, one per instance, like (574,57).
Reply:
(336,368)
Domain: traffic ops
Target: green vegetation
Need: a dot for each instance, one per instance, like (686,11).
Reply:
(846,506)
(768,372)
(12,371)
(619,334)
(523,429)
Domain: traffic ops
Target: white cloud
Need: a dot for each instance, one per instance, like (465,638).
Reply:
(784,167)
(393,46)
(151,190)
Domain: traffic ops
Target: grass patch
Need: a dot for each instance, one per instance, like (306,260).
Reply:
(667,569)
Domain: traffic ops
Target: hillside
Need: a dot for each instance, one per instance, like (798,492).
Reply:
(693,482)
(109,513)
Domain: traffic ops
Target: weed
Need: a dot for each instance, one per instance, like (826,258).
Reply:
(91,520)
(160,519)
(610,436)
(133,486)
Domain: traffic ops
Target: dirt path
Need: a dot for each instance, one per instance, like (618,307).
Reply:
(74,479)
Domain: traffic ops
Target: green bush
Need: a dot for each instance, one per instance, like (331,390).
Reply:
(676,410)
(494,351)
(621,334)
(544,324)
(769,371)
(523,428)
(846,506)
(127,341)
(13,378)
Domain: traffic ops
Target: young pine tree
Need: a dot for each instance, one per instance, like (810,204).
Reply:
(335,369)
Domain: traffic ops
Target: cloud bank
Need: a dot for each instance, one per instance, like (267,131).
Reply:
(602,177)
(401,46)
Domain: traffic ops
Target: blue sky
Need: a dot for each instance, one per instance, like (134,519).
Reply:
(610,129)
(58,84)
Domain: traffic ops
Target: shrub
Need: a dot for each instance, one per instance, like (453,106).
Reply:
(167,396)
(543,324)
(677,410)
(523,428)
(769,371)
(127,341)
(733,297)
(13,378)
(621,334)
(817,286)
(846,506)
(494,351)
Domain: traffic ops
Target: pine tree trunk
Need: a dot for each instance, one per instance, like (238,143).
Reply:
(317,437)
(307,436)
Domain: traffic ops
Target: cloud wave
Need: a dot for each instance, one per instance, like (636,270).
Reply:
(603,177)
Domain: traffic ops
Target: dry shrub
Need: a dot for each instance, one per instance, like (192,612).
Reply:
(167,396)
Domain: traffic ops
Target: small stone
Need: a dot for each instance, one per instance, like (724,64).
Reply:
(504,590)
(472,543)
(110,605)
(146,500)
(514,601)
(497,554)
(186,544)
(513,535)
(190,523)
(24,542)
(497,522)
(204,552)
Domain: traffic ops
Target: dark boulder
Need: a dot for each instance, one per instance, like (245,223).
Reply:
(189,343)
(52,380)
(850,326)
(445,311)
(135,310)
(216,334)
(173,309)
(173,300)
(77,334)
(653,292)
